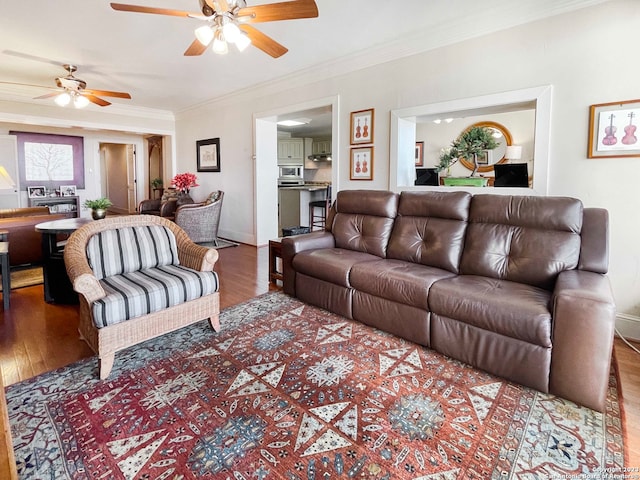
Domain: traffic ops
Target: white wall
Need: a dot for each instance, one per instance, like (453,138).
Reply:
(585,55)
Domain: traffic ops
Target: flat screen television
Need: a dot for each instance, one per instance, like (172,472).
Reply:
(511,175)
(427,176)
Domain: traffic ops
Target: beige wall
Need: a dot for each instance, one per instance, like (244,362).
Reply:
(584,55)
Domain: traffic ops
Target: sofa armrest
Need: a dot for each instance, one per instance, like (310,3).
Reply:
(584,315)
(80,274)
(296,244)
(89,287)
(196,256)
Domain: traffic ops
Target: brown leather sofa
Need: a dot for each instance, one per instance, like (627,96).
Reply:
(513,285)
(25,244)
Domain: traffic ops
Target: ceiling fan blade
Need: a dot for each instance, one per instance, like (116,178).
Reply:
(264,42)
(47,95)
(96,100)
(196,48)
(107,93)
(279,11)
(122,7)
(27,85)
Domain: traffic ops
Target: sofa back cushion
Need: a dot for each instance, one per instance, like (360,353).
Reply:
(524,239)
(129,249)
(430,228)
(364,219)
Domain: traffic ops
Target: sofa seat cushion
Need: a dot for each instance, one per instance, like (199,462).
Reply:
(512,309)
(330,264)
(403,282)
(135,294)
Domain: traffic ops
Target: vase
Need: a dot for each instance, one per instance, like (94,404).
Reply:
(184,198)
(98,213)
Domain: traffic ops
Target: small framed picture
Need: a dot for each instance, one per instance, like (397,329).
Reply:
(361,167)
(362,126)
(208,152)
(612,129)
(36,192)
(419,154)
(68,190)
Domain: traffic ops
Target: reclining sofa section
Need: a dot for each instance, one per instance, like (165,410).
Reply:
(514,285)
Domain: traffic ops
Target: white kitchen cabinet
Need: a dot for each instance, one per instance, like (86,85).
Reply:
(291,151)
(321,147)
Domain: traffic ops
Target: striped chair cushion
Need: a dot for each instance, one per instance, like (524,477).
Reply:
(129,249)
(135,294)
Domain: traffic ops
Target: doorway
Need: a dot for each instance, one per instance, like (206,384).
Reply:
(118,164)
(265,163)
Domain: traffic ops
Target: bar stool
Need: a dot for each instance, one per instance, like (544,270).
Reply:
(319,219)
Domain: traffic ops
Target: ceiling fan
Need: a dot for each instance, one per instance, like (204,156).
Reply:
(227,21)
(73,88)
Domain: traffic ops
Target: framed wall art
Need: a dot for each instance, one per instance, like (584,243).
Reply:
(49,160)
(613,129)
(37,191)
(419,154)
(208,152)
(68,190)
(361,165)
(362,126)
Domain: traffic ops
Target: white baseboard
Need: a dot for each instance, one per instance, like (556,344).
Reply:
(237,236)
(628,326)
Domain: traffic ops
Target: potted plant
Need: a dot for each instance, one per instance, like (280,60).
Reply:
(98,207)
(469,145)
(156,183)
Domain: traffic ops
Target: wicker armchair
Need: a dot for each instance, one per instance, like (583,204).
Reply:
(163,207)
(106,335)
(200,220)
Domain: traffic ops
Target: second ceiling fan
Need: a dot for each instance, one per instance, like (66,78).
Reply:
(227,21)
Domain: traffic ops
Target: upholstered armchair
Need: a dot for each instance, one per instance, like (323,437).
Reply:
(138,276)
(200,220)
(163,207)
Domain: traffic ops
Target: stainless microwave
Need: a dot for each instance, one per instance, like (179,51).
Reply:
(291,175)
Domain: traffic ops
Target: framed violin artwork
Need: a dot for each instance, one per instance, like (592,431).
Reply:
(613,130)
(362,127)
(361,165)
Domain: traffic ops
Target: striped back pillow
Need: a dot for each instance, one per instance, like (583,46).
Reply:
(130,249)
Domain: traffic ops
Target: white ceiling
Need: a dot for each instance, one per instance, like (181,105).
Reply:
(143,54)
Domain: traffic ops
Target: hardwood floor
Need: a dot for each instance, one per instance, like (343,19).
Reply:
(36,337)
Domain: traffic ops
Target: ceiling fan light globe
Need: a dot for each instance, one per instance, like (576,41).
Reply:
(204,34)
(80,101)
(231,32)
(219,44)
(63,99)
(242,42)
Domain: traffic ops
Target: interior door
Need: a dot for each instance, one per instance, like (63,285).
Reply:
(9,195)
(131,178)
(120,174)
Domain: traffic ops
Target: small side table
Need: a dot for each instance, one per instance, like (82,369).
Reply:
(275,252)
(6,275)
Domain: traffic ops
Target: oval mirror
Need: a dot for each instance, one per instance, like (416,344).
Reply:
(503,137)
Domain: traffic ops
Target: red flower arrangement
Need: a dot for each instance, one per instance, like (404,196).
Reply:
(184,181)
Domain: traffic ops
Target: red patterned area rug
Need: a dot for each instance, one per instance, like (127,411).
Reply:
(289,391)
